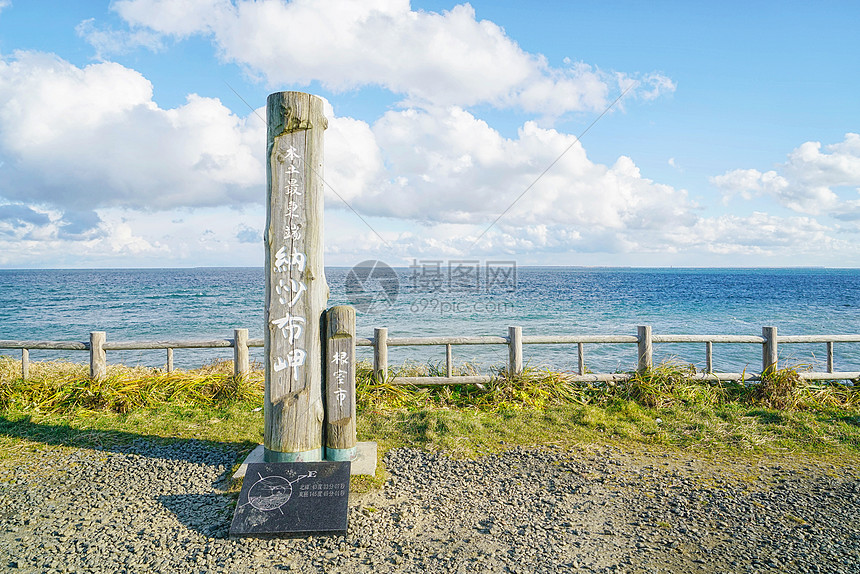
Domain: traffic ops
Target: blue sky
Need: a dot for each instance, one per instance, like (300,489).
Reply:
(128,138)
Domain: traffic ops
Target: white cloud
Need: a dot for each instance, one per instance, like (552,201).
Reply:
(109,42)
(95,172)
(84,138)
(451,167)
(806,182)
(839,165)
(443,59)
(353,158)
(764,234)
(655,86)
(127,237)
(749,183)
(180,18)
(112,147)
(698,241)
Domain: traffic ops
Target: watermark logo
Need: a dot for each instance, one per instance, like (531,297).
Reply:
(372,286)
(463,276)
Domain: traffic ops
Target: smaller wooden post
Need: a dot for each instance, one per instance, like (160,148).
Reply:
(169,360)
(340,443)
(646,350)
(829,356)
(98,358)
(241,364)
(769,357)
(380,353)
(25,364)
(515,351)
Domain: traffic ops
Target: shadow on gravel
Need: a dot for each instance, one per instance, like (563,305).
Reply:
(119,441)
(207,514)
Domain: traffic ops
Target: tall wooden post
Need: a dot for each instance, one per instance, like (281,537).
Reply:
(340,442)
(296,290)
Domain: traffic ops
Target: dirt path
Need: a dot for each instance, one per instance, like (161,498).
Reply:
(163,508)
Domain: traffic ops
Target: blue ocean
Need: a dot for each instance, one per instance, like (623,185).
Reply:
(439,299)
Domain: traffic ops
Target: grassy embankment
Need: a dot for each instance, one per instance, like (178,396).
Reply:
(662,408)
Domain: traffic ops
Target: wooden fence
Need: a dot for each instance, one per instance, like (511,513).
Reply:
(644,340)
(98,345)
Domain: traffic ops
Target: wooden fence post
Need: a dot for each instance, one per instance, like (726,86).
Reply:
(709,357)
(296,290)
(646,349)
(380,353)
(340,442)
(169,360)
(829,356)
(769,357)
(449,361)
(580,352)
(241,364)
(515,351)
(25,364)
(98,357)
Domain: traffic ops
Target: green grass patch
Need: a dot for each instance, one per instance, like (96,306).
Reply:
(663,408)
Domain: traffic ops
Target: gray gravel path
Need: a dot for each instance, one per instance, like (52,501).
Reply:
(163,508)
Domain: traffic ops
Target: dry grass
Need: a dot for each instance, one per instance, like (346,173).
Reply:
(666,385)
(62,387)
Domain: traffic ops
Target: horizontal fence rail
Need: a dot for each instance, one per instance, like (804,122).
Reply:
(644,339)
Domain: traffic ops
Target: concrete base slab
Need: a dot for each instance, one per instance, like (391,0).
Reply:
(364,463)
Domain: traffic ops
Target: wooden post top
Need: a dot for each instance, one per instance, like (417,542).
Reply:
(293,111)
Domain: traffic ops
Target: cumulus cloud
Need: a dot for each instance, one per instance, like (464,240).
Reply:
(90,162)
(108,42)
(446,166)
(112,147)
(84,138)
(808,182)
(448,58)
(749,183)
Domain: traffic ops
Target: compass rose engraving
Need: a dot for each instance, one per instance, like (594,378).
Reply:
(272,492)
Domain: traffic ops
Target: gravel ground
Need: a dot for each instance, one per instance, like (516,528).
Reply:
(164,508)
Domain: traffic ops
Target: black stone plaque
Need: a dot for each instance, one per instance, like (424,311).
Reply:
(292,499)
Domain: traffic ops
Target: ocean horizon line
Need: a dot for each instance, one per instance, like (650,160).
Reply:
(539,267)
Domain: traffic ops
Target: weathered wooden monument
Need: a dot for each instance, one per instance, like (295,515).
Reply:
(296,290)
(309,352)
(301,485)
